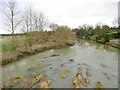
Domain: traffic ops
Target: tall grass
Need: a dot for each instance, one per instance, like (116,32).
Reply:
(7,47)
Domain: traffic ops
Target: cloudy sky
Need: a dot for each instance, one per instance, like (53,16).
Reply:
(72,12)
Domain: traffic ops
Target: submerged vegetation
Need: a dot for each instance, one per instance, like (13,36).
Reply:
(81,79)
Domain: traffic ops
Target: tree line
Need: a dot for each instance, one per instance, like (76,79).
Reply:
(101,32)
(32,23)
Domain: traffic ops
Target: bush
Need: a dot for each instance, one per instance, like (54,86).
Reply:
(107,38)
(64,35)
(116,35)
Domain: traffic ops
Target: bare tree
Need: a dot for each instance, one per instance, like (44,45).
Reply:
(53,26)
(30,12)
(25,17)
(39,21)
(35,21)
(32,21)
(27,26)
(11,12)
(42,21)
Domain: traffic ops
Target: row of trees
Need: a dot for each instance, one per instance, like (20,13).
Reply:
(28,20)
(32,23)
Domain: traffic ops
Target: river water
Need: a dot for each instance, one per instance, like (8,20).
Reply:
(101,60)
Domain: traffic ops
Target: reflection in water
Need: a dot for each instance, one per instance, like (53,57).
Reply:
(97,45)
(100,58)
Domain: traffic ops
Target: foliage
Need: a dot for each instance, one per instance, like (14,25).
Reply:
(108,36)
(101,33)
(63,34)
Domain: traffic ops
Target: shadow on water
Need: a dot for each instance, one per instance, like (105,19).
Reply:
(96,45)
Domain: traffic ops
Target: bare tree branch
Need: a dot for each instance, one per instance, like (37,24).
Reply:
(11,13)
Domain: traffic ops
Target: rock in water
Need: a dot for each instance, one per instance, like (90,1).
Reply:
(64,74)
(71,60)
(50,67)
(55,55)
(62,65)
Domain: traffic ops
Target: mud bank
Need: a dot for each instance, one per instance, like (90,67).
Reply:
(32,51)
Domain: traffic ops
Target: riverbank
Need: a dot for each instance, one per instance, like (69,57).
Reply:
(13,56)
(27,44)
(111,44)
(101,34)
(115,45)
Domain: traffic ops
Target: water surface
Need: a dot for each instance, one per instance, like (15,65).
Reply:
(101,60)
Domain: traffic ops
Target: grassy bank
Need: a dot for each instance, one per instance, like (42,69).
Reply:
(111,44)
(111,39)
(35,42)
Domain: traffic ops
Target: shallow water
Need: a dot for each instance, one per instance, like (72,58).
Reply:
(101,60)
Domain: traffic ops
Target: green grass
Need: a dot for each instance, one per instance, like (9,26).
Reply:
(0,47)
(6,44)
(7,47)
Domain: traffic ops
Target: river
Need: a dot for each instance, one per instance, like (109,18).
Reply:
(101,60)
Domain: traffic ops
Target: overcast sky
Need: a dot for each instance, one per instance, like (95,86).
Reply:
(72,12)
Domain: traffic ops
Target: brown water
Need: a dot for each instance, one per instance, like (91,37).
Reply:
(102,61)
